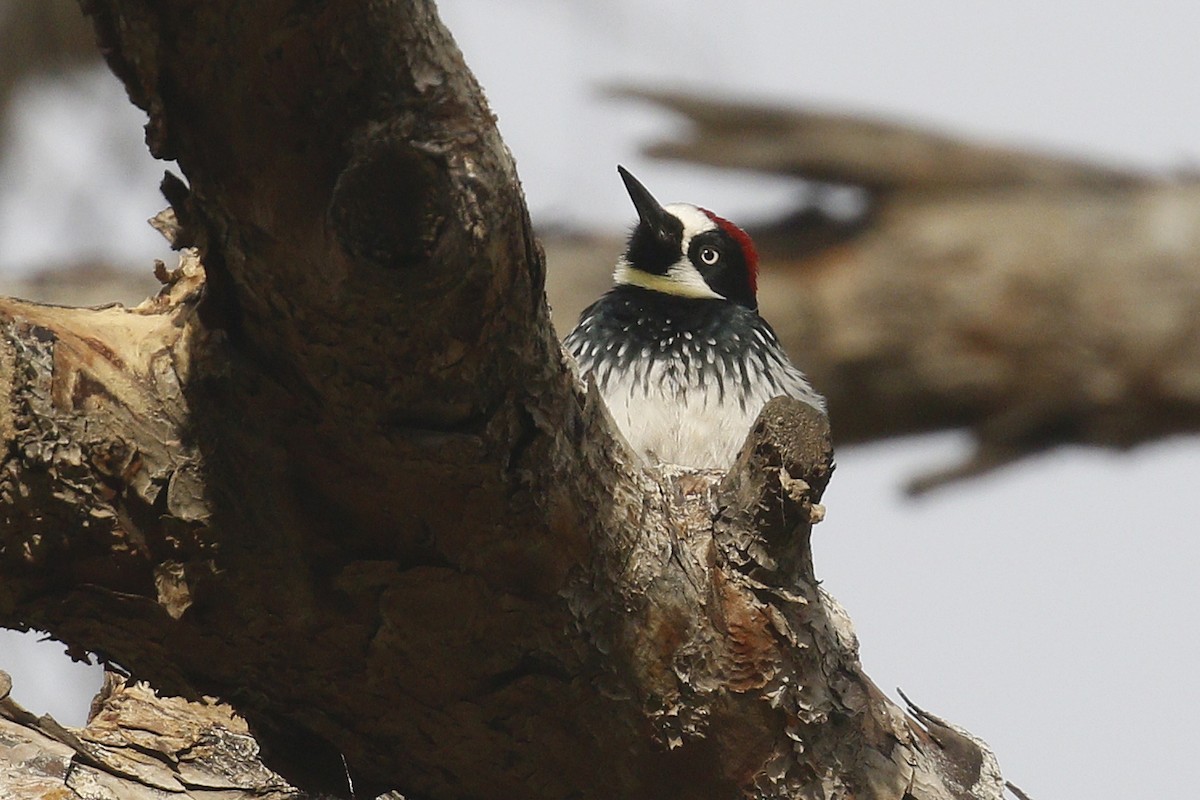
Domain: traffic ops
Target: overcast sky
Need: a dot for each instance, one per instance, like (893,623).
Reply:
(1052,609)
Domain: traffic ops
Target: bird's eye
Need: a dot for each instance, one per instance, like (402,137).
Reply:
(710,255)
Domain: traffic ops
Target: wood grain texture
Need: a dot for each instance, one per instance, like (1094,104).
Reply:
(136,746)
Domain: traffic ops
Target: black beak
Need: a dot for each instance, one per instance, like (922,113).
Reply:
(649,211)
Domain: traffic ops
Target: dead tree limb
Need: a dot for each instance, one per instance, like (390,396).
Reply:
(136,746)
(340,476)
(1036,300)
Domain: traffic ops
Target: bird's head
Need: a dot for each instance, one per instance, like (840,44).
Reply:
(687,251)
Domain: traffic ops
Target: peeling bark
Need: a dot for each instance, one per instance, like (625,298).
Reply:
(136,746)
(340,475)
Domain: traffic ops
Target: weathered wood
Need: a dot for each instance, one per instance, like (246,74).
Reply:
(136,746)
(346,481)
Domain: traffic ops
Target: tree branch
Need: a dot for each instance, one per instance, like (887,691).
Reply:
(136,746)
(346,481)
(882,156)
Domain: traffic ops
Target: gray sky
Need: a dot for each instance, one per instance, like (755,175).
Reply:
(1052,609)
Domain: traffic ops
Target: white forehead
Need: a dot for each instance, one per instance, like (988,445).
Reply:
(694,220)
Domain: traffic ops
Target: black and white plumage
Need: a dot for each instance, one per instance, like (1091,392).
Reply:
(676,347)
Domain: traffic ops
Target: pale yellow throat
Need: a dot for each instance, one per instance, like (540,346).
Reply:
(681,280)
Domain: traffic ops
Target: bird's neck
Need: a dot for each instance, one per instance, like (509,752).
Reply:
(638,312)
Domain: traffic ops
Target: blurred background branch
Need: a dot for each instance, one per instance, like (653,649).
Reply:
(41,39)
(881,156)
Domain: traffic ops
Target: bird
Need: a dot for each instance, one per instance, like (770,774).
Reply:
(676,346)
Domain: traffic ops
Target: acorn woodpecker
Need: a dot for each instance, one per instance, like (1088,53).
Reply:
(676,347)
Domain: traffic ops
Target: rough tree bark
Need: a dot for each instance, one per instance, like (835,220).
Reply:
(137,746)
(1035,300)
(339,474)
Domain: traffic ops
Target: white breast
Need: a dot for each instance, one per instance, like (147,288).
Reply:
(693,425)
